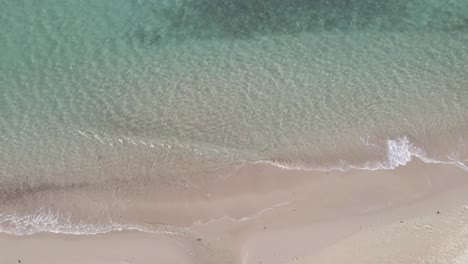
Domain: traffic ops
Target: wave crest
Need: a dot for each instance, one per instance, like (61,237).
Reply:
(399,152)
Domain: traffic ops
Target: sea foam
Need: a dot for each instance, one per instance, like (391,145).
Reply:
(399,152)
(47,221)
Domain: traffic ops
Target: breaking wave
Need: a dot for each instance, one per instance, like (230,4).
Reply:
(399,152)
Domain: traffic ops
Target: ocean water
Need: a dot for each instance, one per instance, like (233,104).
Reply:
(104,94)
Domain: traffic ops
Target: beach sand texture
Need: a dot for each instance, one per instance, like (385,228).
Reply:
(234,131)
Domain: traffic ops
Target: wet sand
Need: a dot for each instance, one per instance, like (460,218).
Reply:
(262,214)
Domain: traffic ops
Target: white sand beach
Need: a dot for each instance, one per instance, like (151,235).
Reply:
(405,215)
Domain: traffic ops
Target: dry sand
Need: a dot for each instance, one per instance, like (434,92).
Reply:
(262,214)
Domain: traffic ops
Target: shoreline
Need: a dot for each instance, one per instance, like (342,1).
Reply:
(234,132)
(271,215)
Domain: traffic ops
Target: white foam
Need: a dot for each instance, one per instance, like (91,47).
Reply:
(400,151)
(459,163)
(47,221)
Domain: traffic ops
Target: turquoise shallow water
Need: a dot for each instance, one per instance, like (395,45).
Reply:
(107,92)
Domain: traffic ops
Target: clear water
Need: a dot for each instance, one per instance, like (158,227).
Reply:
(96,93)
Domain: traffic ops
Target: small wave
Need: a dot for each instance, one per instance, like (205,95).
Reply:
(400,151)
(46,221)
